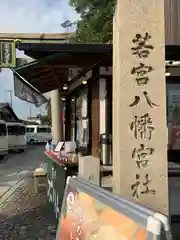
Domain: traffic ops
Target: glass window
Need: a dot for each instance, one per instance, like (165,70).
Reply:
(49,130)
(81,106)
(21,130)
(82,134)
(79,118)
(82,123)
(29,129)
(16,130)
(173,116)
(42,130)
(9,130)
(12,130)
(3,131)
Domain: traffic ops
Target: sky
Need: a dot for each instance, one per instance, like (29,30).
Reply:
(30,16)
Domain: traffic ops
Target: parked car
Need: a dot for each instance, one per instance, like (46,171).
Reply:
(38,133)
(3,140)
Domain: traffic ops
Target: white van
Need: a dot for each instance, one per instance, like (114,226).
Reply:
(38,133)
(16,136)
(3,139)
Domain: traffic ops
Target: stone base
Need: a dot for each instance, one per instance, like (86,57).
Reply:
(89,169)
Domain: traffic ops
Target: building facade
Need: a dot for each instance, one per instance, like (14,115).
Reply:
(7,114)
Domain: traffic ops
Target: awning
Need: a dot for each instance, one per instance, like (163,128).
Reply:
(51,69)
(26,92)
(43,74)
(42,50)
(53,61)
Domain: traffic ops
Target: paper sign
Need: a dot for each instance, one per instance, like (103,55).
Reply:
(58,146)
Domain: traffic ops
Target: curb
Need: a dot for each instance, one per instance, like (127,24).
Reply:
(10,191)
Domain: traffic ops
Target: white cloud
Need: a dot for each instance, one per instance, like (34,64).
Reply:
(35,16)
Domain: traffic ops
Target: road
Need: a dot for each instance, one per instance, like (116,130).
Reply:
(17,165)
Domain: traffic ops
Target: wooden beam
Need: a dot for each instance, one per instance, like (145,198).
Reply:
(45,36)
(39,73)
(47,77)
(41,78)
(55,77)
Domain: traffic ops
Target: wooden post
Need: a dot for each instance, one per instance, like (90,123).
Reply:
(95,113)
(139,104)
(68,119)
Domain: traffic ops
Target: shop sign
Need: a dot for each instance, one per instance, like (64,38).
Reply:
(8,54)
(52,193)
(83,216)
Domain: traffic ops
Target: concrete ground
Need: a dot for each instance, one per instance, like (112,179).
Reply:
(23,213)
(26,215)
(17,165)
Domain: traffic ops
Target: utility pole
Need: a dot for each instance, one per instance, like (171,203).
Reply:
(30,110)
(10,93)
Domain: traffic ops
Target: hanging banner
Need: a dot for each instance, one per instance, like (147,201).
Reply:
(26,92)
(8,54)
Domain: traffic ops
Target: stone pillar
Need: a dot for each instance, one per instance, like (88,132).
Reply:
(139,104)
(56,116)
(89,169)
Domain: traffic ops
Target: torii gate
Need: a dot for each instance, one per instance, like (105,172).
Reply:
(8,44)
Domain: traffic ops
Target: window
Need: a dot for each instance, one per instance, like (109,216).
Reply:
(81,106)
(173,115)
(43,130)
(29,129)
(79,117)
(21,130)
(82,123)
(82,134)
(16,130)
(11,130)
(3,131)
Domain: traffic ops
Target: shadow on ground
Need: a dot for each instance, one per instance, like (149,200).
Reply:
(38,223)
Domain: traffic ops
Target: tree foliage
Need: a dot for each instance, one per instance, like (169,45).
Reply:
(96,20)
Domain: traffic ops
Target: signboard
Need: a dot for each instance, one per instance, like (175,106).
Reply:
(8,54)
(89,212)
(56,176)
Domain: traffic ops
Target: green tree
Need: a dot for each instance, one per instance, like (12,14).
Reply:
(96,20)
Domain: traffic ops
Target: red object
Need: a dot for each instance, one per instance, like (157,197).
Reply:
(69,230)
(63,116)
(175,135)
(55,158)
